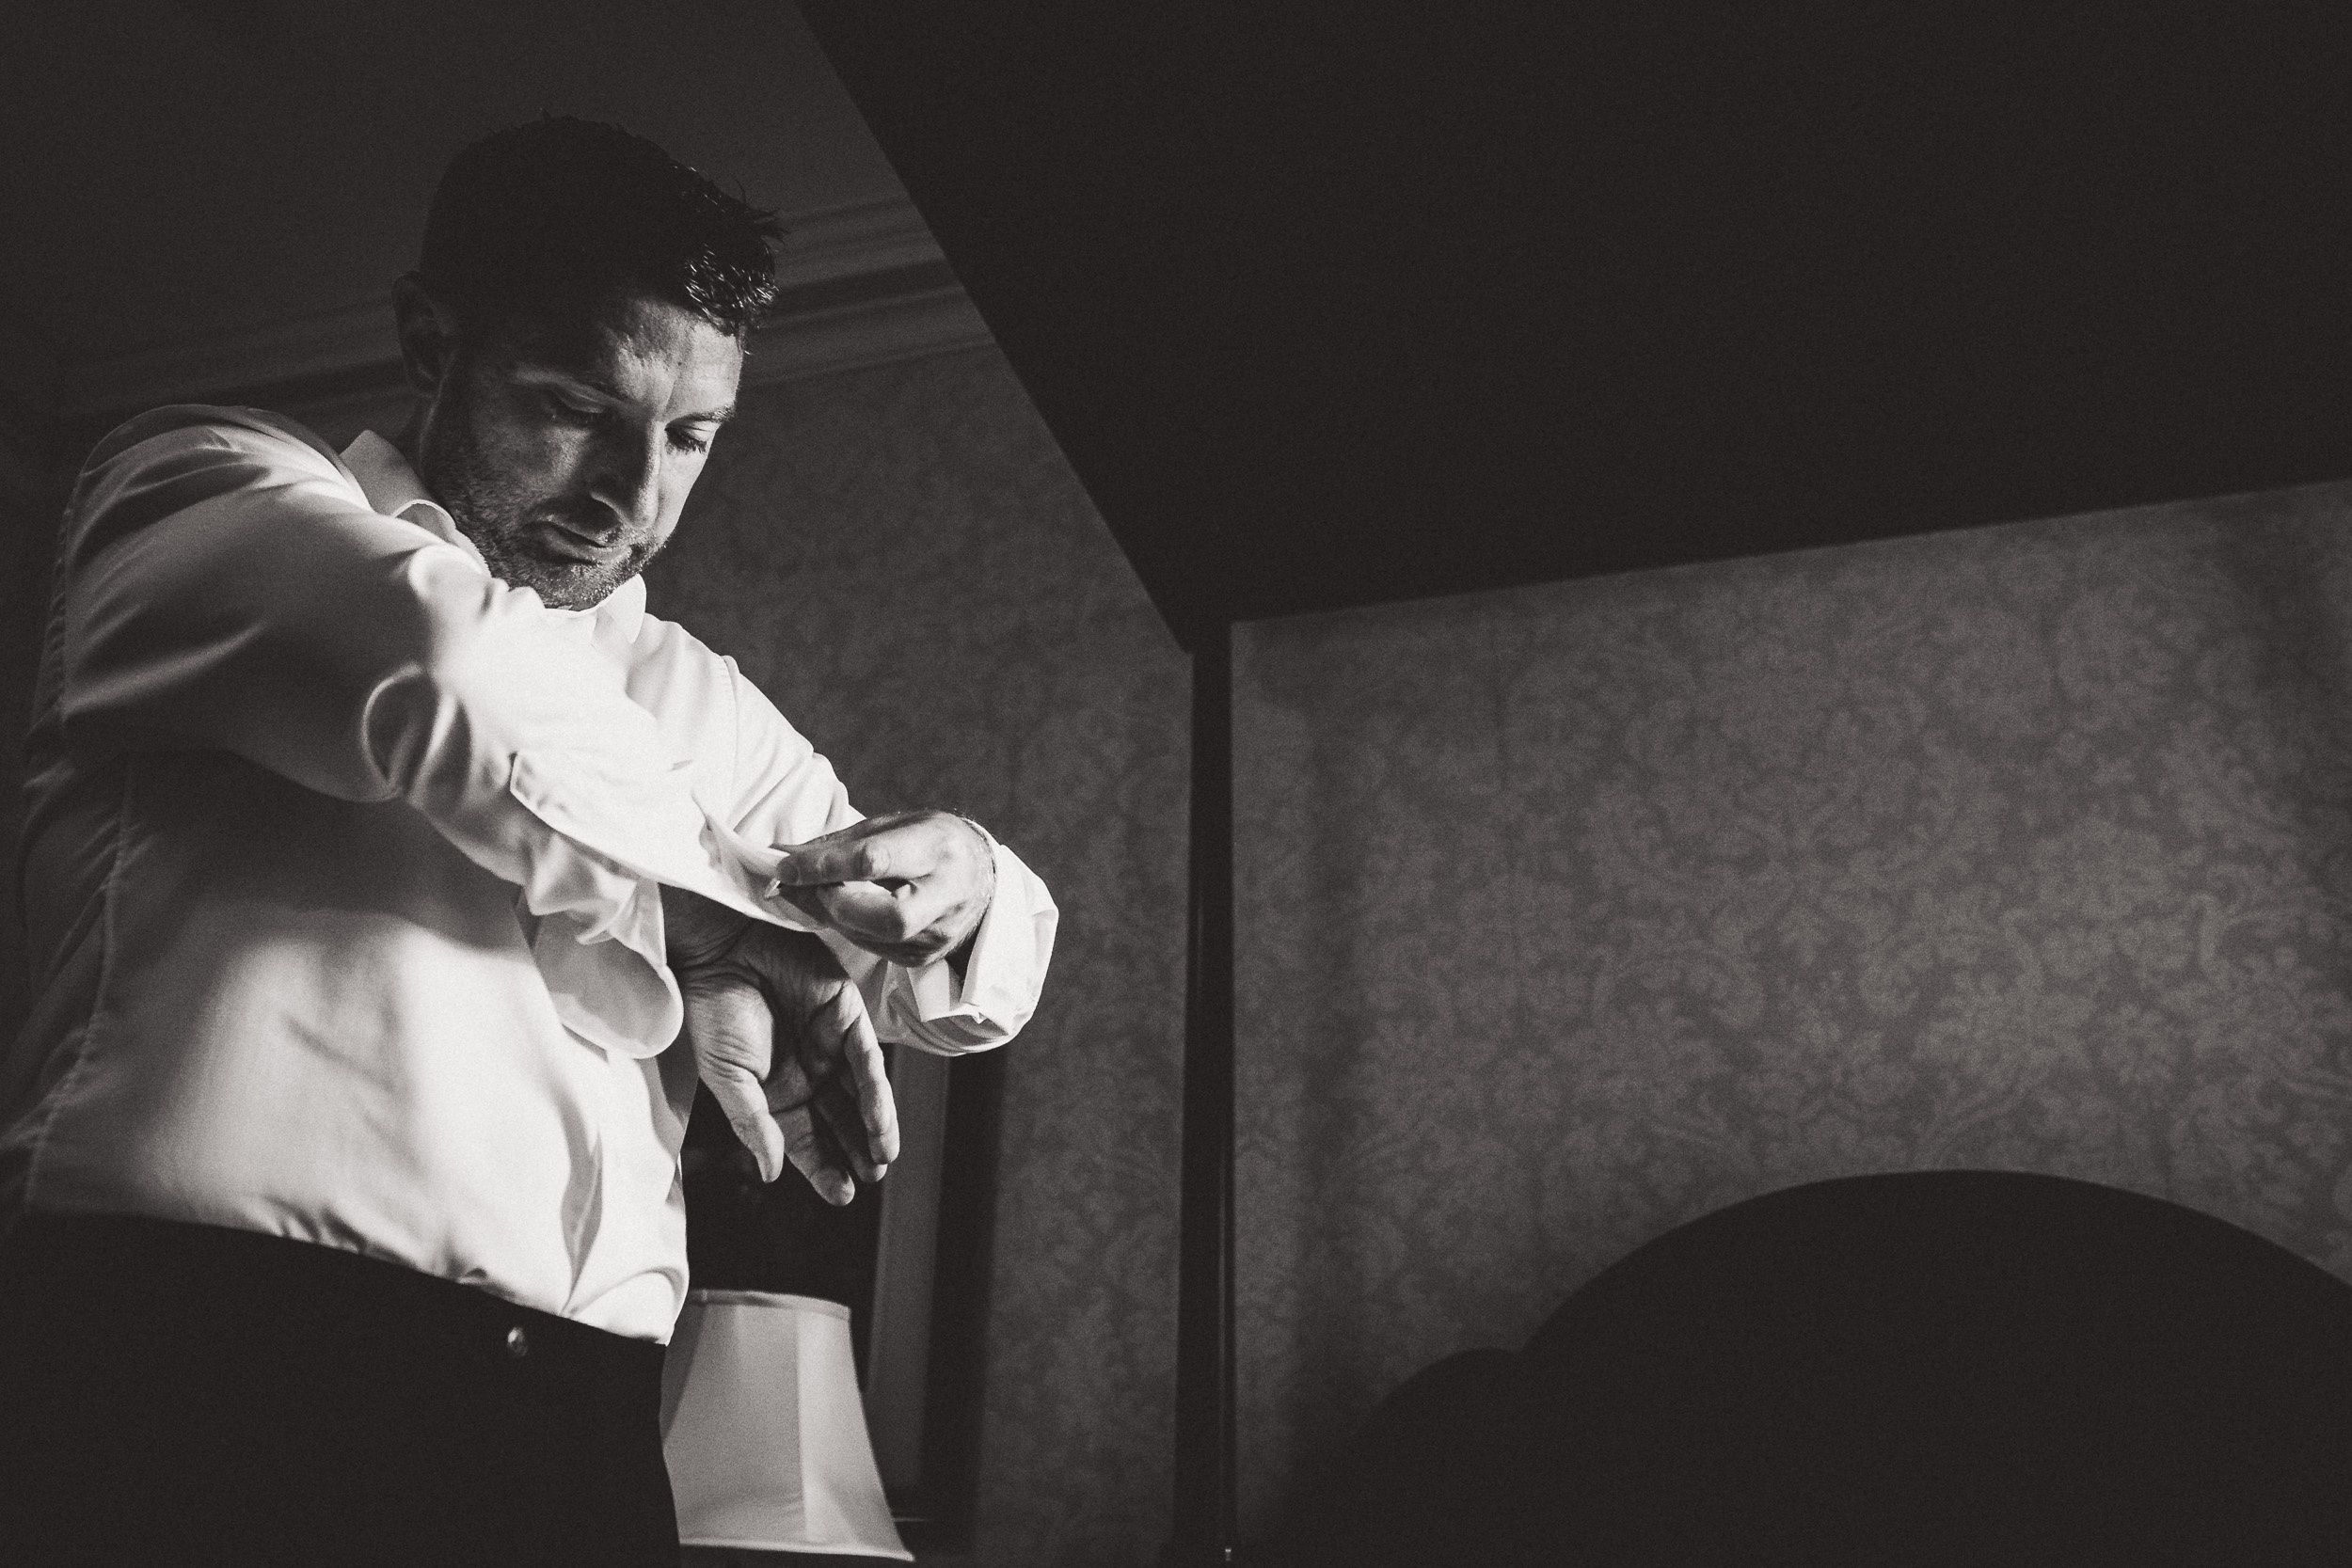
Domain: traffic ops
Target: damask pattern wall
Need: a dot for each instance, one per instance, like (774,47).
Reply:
(1571,914)
(901,559)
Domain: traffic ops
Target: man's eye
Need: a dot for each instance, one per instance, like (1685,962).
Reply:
(686,440)
(570,412)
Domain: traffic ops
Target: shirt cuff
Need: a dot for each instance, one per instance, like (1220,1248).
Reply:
(601,946)
(1002,977)
(611,983)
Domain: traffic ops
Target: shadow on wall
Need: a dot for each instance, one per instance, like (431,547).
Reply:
(1571,914)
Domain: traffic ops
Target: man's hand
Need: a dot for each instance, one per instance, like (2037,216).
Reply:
(782,1040)
(911,887)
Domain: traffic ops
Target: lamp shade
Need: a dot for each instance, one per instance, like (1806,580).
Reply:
(763,1431)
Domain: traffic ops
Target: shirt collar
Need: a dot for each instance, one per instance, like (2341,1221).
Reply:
(394,489)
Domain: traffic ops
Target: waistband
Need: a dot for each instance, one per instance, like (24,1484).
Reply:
(217,1281)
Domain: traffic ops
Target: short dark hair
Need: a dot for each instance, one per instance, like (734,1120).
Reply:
(560,214)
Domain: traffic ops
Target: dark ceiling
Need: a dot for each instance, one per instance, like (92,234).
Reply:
(1334,304)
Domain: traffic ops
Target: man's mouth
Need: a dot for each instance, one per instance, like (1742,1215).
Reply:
(570,545)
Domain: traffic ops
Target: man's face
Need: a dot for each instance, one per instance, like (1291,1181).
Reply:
(566,453)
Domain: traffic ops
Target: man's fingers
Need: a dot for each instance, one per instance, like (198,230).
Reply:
(875,917)
(744,1099)
(899,848)
(815,1155)
(781,1037)
(916,927)
(854,1096)
(864,912)
(728,1026)
(809,901)
(858,860)
(875,1108)
(909,888)
(838,1108)
(826,1085)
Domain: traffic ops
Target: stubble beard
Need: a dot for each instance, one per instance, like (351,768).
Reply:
(497,514)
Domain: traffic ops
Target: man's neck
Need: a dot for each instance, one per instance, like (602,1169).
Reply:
(411,442)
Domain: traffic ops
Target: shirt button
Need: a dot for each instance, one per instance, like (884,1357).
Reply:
(517,1342)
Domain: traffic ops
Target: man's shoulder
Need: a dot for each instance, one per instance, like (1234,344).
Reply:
(257,431)
(172,459)
(663,650)
(684,680)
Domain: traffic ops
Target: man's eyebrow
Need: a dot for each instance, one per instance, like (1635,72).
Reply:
(542,372)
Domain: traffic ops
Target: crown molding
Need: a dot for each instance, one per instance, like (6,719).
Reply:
(853,242)
(919,315)
(857,286)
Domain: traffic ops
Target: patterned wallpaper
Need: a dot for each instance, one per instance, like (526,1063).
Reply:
(901,559)
(1572,913)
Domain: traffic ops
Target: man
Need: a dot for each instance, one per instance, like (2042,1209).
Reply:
(379,847)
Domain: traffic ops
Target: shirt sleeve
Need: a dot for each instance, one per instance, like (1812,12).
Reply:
(788,794)
(222,585)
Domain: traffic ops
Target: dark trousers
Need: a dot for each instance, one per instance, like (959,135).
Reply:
(177,1394)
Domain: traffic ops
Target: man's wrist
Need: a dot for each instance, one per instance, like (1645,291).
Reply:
(698,932)
(988,857)
(961,953)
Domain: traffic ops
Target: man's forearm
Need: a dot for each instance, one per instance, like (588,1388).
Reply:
(272,616)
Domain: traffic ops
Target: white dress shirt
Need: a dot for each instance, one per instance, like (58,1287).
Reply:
(341,871)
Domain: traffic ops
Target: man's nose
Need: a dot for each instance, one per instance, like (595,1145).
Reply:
(628,479)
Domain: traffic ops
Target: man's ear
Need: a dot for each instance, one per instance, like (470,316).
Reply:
(428,335)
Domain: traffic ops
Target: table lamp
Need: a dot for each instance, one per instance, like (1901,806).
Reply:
(763,1431)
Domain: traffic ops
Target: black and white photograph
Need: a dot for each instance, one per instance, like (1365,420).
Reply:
(1175,786)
